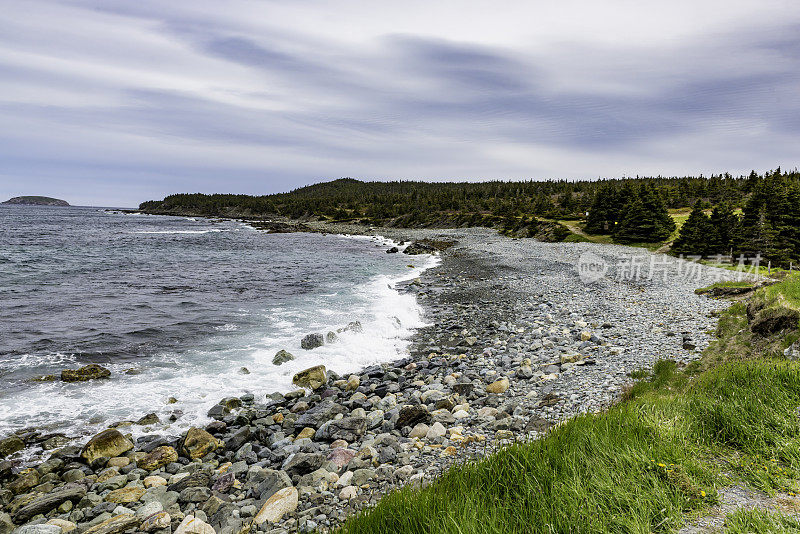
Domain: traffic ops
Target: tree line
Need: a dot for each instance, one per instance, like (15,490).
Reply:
(629,209)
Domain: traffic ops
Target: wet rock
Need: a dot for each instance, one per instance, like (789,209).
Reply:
(282,356)
(312,378)
(25,481)
(419,248)
(149,419)
(106,444)
(312,341)
(10,445)
(198,443)
(87,372)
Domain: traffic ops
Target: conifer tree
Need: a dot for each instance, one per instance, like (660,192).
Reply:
(694,235)
(645,218)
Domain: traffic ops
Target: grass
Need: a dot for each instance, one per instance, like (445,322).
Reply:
(577,235)
(639,467)
(760,521)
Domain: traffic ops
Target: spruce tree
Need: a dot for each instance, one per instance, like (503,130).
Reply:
(723,228)
(694,235)
(645,218)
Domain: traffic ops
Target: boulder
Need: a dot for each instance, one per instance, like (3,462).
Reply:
(419,248)
(282,356)
(269,481)
(87,372)
(281,503)
(312,378)
(411,415)
(158,457)
(302,463)
(10,445)
(149,419)
(347,428)
(26,480)
(108,443)
(51,501)
(319,414)
(198,443)
(341,456)
(312,341)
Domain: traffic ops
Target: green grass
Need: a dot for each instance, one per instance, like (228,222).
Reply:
(578,236)
(639,467)
(760,521)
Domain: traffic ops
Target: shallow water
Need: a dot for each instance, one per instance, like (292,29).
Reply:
(176,307)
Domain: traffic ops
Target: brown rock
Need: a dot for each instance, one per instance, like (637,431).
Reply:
(498,387)
(87,372)
(114,525)
(198,443)
(158,457)
(312,378)
(108,443)
(125,495)
(25,481)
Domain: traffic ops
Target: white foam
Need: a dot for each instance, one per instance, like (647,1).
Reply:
(199,378)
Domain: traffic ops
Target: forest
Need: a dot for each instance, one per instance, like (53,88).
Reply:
(731,215)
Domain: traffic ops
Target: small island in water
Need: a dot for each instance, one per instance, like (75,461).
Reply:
(37,201)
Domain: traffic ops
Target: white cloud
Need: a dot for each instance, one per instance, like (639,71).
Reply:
(161,96)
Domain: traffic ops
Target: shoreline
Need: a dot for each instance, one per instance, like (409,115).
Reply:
(535,354)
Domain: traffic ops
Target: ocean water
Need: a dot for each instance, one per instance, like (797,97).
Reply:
(176,307)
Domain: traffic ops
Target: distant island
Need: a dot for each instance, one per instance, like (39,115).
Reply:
(37,201)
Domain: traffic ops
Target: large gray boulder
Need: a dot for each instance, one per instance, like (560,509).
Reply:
(312,341)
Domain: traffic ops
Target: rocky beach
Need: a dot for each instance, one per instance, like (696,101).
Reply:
(521,337)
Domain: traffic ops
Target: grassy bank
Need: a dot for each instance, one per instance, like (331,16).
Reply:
(644,465)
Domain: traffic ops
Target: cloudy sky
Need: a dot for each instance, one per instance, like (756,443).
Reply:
(108,102)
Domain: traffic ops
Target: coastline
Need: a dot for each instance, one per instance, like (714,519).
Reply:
(538,346)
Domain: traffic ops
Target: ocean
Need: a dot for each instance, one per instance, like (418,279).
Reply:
(177,307)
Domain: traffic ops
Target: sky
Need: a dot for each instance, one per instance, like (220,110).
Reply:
(110,103)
